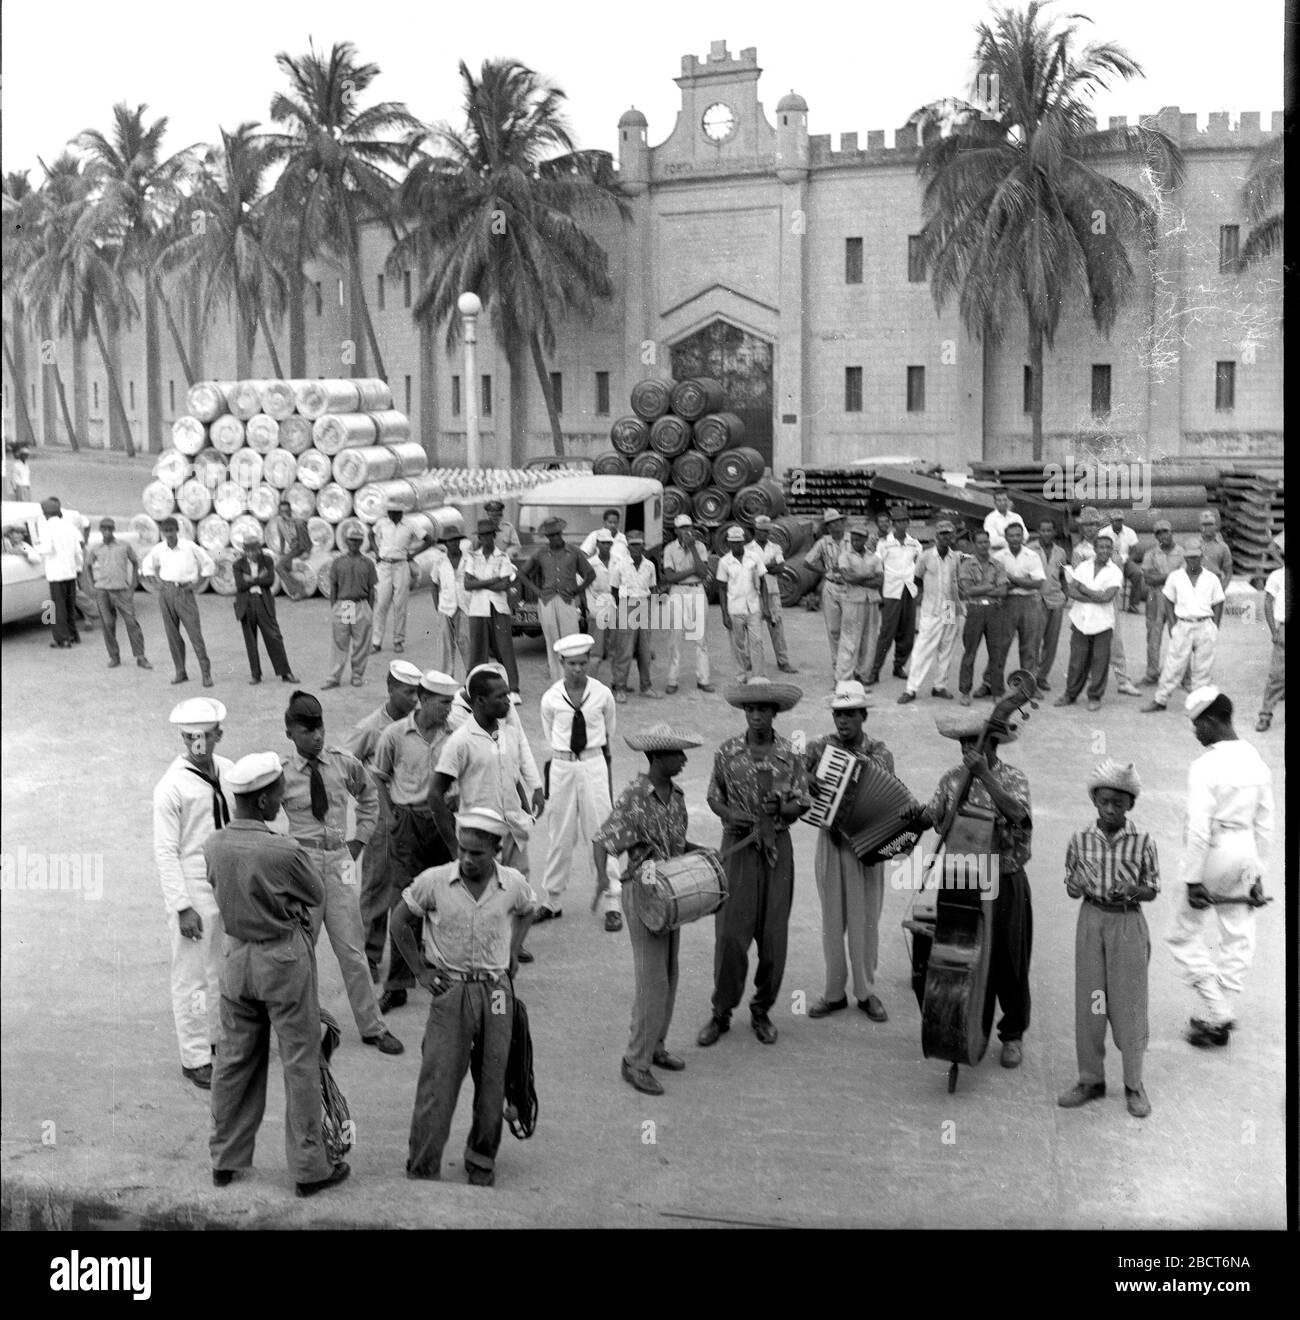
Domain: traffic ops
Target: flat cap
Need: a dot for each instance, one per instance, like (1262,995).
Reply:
(198,714)
(255,771)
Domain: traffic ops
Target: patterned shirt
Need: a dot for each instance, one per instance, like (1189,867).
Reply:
(1012,841)
(643,825)
(872,748)
(735,783)
(1110,867)
(264,882)
(344,777)
(462,933)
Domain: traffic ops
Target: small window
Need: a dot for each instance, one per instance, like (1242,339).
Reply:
(1225,386)
(319,297)
(557,390)
(34,397)
(408,396)
(379,292)
(341,300)
(406,288)
(1229,247)
(915,260)
(1101,390)
(852,389)
(602,394)
(130,393)
(94,394)
(455,396)
(852,261)
(1028,405)
(916,389)
(486,397)
(171,396)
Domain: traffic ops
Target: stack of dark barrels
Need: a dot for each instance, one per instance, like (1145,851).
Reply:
(680,434)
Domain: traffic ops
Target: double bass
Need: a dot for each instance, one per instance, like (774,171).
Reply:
(951,953)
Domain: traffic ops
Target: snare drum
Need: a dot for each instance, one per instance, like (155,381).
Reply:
(683,889)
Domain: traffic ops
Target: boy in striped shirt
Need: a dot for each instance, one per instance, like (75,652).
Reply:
(1112,866)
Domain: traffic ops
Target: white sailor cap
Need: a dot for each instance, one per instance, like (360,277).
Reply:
(254,771)
(1199,700)
(575,644)
(605,535)
(440,684)
(405,672)
(485,820)
(198,714)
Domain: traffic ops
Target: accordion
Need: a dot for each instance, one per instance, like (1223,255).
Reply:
(865,803)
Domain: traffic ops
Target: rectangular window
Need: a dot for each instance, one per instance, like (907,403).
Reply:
(852,389)
(1229,247)
(406,288)
(1225,386)
(455,396)
(379,292)
(915,262)
(408,396)
(1101,390)
(130,392)
(557,390)
(485,407)
(916,389)
(1028,405)
(94,394)
(341,293)
(319,297)
(602,394)
(852,261)
(171,396)
(34,397)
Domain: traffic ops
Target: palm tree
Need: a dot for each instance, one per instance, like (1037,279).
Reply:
(227,250)
(21,211)
(1017,210)
(503,209)
(1261,197)
(334,178)
(137,193)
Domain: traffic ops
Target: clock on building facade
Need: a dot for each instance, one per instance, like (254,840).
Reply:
(719,122)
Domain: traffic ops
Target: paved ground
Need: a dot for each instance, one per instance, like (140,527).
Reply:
(841,1123)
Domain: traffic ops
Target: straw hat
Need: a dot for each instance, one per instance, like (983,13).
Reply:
(763,692)
(661,738)
(960,724)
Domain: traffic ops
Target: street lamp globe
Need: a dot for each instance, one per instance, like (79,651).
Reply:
(468,304)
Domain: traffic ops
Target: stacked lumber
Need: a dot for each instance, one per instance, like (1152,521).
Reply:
(1253,515)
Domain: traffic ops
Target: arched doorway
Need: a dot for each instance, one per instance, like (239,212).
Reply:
(742,363)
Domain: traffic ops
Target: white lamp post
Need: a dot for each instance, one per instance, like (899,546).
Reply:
(469,306)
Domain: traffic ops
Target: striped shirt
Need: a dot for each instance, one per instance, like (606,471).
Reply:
(1110,867)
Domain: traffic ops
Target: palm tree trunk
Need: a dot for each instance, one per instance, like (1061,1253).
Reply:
(80,406)
(67,415)
(1036,390)
(114,389)
(177,342)
(245,332)
(297,323)
(428,403)
(544,379)
(195,331)
(152,370)
(360,304)
(18,369)
(518,407)
(276,365)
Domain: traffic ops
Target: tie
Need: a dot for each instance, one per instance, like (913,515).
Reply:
(319,798)
(578,734)
(220,811)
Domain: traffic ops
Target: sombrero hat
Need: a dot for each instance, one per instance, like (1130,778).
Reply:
(763,692)
(960,724)
(662,738)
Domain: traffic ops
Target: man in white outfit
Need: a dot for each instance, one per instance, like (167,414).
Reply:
(685,564)
(578,723)
(940,617)
(1197,600)
(451,620)
(190,803)
(1229,828)
(395,543)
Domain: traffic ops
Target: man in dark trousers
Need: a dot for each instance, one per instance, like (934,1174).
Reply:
(473,914)
(255,609)
(266,890)
(114,572)
(759,787)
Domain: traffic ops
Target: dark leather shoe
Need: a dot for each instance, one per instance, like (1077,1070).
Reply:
(180,678)
(1080,1093)
(114,664)
(1203,1035)
(1044,685)
(764,1029)
(391,999)
(290,677)
(1064,701)
(942,693)
(613,921)
(253,682)
(706,687)
(475,1176)
(711,1030)
(873,1008)
(525,955)
(906,697)
(201,1076)
(787,669)
(1150,708)
(385,1043)
(340,1174)
(825,1007)
(1138,1104)
(143,663)
(222,1177)
(547,914)
(1263,724)
(668,1062)
(207,681)
(981,692)
(642,1078)
(1011,1054)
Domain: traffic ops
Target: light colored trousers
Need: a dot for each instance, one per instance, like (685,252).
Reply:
(341,917)
(852,643)
(355,634)
(833,616)
(196,979)
(654,977)
(450,640)
(1191,640)
(747,644)
(1111,953)
(694,609)
(1275,685)
(1231,866)
(578,806)
(558,619)
(1118,662)
(936,644)
(852,896)
(394,590)
(776,627)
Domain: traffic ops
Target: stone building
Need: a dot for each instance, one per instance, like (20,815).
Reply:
(759,254)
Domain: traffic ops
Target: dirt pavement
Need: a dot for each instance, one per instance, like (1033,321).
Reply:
(842,1122)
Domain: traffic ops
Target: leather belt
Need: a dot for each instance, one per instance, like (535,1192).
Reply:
(471,977)
(393,561)
(319,845)
(1116,905)
(983,600)
(585,755)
